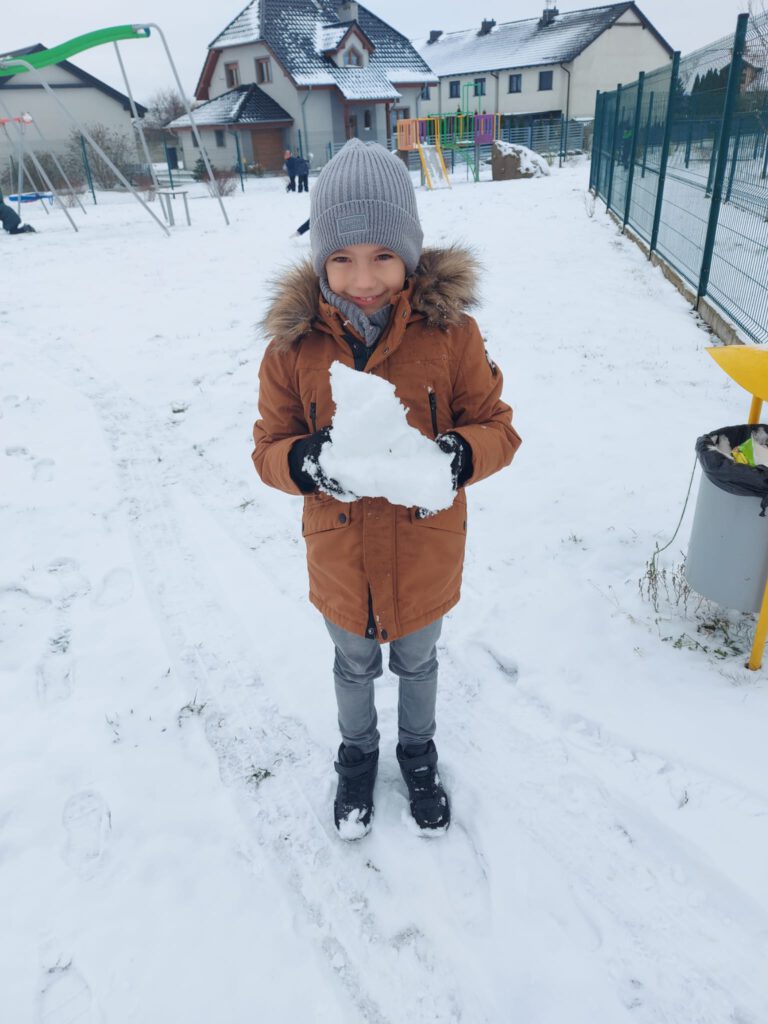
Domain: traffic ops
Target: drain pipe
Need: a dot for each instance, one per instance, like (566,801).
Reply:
(567,113)
(304,118)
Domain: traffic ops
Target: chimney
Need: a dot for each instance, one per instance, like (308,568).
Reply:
(486,27)
(548,15)
(434,35)
(347,11)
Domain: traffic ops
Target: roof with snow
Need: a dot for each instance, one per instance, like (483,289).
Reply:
(246,104)
(301,32)
(527,43)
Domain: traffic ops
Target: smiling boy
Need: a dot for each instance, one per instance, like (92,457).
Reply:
(378,572)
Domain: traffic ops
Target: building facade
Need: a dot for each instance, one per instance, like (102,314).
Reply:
(318,73)
(539,67)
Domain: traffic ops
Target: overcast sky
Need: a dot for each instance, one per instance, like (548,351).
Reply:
(685,24)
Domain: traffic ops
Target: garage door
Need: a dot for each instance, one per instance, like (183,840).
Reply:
(268,148)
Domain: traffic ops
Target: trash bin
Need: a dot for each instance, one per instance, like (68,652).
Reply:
(727,559)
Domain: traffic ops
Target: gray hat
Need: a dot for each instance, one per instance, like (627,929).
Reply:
(364,196)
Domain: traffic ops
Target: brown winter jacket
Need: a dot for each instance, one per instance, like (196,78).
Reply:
(379,569)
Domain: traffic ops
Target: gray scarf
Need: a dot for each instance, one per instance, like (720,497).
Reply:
(370,328)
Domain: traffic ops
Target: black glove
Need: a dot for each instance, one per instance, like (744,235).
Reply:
(461,461)
(308,450)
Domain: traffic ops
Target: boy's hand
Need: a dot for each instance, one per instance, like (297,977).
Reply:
(304,465)
(461,457)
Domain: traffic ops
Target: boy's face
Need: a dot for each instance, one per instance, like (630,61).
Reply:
(367,275)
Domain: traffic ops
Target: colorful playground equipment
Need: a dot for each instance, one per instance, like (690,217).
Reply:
(461,134)
(32,64)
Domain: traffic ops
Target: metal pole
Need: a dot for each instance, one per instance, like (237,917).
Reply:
(211,178)
(613,148)
(732,90)
(713,159)
(87,167)
(136,119)
(20,175)
(633,147)
(647,134)
(240,158)
(664,152)
(168,163)
(17,62)
(592,160)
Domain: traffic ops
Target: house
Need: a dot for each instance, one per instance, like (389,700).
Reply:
(541,67)
(304,75)
(90,100)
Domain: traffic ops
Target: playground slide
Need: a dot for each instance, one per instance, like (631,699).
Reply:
(434,167)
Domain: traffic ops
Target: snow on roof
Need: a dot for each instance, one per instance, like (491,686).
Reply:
(297,30)
(329,36)
(519,44)
(246,104)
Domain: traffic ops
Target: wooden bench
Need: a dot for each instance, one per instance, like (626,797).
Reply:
(166,195)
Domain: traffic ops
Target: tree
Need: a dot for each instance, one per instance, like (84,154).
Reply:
(164,106)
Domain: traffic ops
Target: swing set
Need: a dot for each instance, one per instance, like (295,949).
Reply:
(460,134)
(34,62)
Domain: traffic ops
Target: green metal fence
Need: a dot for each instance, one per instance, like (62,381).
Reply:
(681,157)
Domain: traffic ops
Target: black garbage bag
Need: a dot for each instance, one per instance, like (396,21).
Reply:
(734,477)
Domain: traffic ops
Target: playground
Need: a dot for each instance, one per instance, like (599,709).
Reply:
(168,732)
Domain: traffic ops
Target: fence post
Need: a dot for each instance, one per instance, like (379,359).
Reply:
(613,148)
(595,156)
(647,134)
(633,147)
(731,92)
(87,167)
(664,152)
(713,159)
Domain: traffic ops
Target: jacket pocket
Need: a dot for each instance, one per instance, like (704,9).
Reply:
(453,519)
(323,513)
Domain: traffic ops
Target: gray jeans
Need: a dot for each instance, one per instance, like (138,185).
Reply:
(412,658)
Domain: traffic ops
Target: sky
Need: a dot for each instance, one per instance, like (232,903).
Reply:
(685,24)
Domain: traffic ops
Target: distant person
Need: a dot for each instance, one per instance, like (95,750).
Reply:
(302,171)
(289,163)
(11,221)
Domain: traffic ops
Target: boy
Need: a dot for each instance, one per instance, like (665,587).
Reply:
(379,572)
(11,221)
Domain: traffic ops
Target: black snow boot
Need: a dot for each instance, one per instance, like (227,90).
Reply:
(429,801)
(353,806)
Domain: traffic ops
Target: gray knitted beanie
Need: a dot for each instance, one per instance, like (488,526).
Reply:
(364,196)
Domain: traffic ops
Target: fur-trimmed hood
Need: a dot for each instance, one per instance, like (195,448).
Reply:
(443,289)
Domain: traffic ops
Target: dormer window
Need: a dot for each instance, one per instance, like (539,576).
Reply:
(232,75)
(353,58)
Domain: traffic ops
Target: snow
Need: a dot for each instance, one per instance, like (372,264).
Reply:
(168,728)
(374,453)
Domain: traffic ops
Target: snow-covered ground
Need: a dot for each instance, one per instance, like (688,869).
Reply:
(167,726)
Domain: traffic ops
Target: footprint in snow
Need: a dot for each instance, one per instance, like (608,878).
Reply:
(116,588)
(55,679)
(87,823)
(65,997)
(43,470)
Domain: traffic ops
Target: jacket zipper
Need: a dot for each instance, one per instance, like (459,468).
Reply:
(370,629)
(433,410)
(313,416)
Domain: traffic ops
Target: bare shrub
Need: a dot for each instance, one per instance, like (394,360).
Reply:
(226,182)
(118,146)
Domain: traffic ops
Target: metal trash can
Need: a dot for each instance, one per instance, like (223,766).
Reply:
(727,559)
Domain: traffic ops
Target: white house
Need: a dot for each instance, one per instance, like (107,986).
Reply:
(305,75)
(90,100)
(541,67)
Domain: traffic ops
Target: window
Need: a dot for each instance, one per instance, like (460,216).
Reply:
(515,83)
(425,92)
(479,87)
(367,120)
(232,75)
(454,90)
(263,70)
(220,139)
(352,58)
(545,81)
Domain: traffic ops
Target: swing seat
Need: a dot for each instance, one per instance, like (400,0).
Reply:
(31,197)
